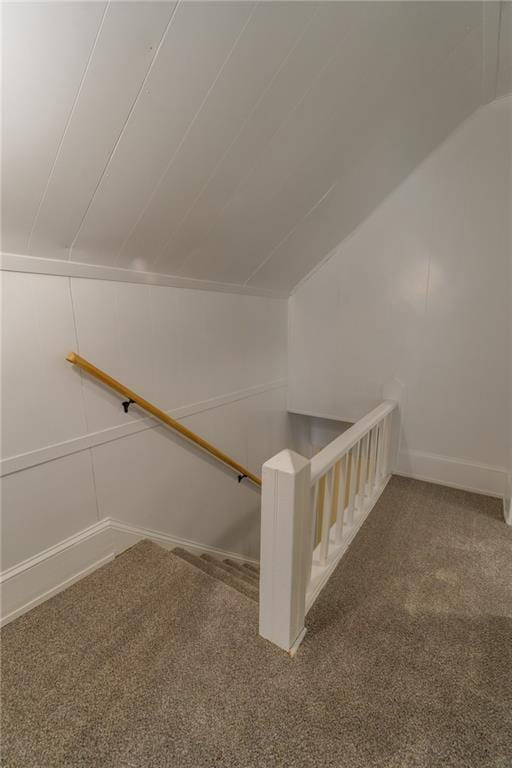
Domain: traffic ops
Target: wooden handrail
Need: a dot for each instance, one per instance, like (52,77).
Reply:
(91,369)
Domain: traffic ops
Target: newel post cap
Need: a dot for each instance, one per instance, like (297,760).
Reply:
(288,462)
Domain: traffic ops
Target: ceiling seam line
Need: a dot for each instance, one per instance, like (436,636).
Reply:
(183,139)
(233,142)
(292,230)
(68,121)
(284,122)
(130,112)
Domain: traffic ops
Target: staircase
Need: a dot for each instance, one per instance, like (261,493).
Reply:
(311,509)
(242,577)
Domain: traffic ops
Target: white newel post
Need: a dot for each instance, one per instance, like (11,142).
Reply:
(286,548)
(394,390)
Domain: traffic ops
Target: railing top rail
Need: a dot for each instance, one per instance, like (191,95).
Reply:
(91,369)
(328,456)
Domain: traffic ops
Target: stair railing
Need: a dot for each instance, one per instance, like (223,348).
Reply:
(310,512)
(157,413)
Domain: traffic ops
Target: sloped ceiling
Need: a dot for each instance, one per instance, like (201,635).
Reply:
(236,142)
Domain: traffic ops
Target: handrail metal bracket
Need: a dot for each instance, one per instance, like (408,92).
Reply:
(126,404)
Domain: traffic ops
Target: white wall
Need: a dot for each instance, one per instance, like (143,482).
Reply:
(419,293)
(71,457)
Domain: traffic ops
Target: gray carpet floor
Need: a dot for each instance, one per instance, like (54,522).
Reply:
(152,663)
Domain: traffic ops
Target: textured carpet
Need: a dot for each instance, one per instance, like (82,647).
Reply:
(407,663)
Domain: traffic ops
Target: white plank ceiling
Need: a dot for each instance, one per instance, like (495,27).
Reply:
(235,142)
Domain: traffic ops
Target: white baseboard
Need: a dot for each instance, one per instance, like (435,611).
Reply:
(455,473)
(37,579)
(40,577)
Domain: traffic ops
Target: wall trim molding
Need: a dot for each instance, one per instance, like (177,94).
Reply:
(39,265)
(37,579)
(452,472)
(37,456)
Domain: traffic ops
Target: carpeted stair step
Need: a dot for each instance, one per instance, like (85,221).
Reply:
(253,568)
(239,573)
(243,572)
(218,573)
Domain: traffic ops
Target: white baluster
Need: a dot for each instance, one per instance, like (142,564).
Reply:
(363,470)
(380,453)
(385,446)
(378,460)
(312,505)
(353,479)
(372,461)
(326,517)
(340,507)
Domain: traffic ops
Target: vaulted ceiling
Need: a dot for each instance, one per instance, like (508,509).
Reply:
(236,142)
